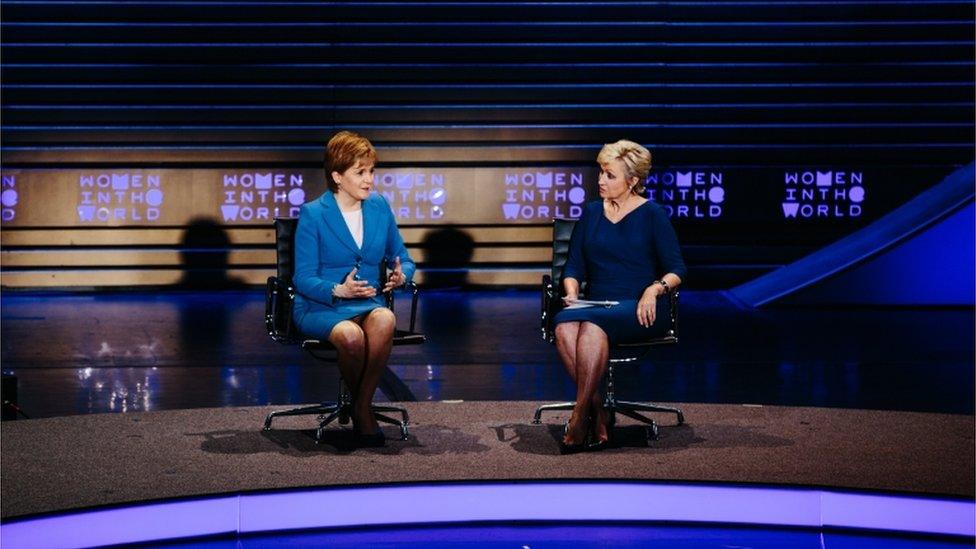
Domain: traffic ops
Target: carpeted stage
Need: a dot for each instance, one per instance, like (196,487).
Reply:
(67,463)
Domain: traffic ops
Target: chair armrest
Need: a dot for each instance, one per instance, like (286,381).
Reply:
(410,286)
(270,291)
(550,306)
(278,300)
(673,296)
(414,294)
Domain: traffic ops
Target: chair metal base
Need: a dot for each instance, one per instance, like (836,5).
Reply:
(332,411)
(614,406)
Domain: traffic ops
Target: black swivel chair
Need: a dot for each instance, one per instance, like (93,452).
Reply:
(279,300)
(552,292)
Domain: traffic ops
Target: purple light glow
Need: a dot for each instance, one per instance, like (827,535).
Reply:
(125,525)
(909,514)
(530,501)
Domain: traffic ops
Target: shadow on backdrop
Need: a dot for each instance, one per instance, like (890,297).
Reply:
(204,252)
(205,314)
(448,252)
(448,256)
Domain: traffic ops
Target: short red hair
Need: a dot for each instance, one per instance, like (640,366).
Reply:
(343,151)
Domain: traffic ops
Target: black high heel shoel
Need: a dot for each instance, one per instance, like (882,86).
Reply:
(594,443)
(565,449)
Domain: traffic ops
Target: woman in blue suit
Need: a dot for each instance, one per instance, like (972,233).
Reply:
(342,239)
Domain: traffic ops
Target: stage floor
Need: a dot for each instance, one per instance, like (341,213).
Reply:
(876,400)
(138,351)
(102,459)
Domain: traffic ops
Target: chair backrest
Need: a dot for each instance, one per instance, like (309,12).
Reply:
(562,230)
(285,246)
(280,295)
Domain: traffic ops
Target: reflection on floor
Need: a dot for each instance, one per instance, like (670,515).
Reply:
(115,352)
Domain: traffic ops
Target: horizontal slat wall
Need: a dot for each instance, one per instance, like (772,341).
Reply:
(229,278)
(715,85)
(157,256)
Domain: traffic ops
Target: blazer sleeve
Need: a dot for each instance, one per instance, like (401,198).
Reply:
(395,247)
(307,253)
(666,246)
(575,261)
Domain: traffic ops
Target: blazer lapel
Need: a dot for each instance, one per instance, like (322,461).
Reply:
(371,218)
(336,223)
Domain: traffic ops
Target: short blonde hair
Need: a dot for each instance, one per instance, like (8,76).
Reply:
(342,152)
(635,157)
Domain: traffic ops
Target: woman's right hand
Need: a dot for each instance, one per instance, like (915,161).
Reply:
(571,287)
(351,288)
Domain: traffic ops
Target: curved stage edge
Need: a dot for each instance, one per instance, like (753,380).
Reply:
(503,502)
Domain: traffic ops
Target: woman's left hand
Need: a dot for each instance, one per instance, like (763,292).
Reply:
(396,277)
(647,307)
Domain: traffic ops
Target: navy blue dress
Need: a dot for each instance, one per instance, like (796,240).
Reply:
(619,261)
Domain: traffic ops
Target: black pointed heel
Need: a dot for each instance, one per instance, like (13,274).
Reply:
(566,449)
(596,445)
(375,440)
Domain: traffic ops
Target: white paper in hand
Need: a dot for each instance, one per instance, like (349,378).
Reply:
(584,303)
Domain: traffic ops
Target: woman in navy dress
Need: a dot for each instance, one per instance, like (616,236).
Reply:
(342,239)
(625,249)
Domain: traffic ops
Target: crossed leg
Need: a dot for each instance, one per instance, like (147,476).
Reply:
(363,345)
(584,349)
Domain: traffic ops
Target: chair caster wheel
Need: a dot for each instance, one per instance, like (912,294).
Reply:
(652,432)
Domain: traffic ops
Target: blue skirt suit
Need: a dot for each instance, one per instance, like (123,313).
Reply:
(618,261)
(325,253)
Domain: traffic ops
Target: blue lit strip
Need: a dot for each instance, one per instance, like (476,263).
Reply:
(454,66)
(350,24)
(416,504)
(499,4)
(635,85)
(500,86)
(495,106)
(484,44)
